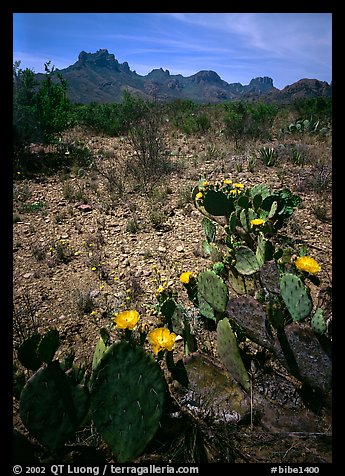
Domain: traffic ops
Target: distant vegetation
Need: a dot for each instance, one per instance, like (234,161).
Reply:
(43,112)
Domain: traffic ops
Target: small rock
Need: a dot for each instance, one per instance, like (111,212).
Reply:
(84,207)
(179,248)
(94,293)
(162,249)
(27,275)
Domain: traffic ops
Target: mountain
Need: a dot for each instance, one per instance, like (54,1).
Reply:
(99,77)
(302,89)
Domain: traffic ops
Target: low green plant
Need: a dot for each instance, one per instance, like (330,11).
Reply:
(132,225)
(61,251)
(32,207)
(268,155)
(157,218)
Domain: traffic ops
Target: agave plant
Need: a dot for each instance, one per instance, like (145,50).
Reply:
(268,155)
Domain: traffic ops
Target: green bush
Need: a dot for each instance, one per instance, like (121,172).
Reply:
(248,121)
(41,111)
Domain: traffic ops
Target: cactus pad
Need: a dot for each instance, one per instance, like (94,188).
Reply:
(52,406)
(269,275)
(212,394)
(213,290)
(229,353)
(209,229)
(314,365)
(249,314)
(241,284)
(295,296)
(318,323)
(246,262)
(127,396)
(217,203)
(100,350)
(264,250)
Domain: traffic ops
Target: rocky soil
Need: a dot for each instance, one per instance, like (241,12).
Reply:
(81,254)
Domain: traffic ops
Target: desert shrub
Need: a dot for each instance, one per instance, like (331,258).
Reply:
(150,161)
(41,112)
(248,121)
(113,119)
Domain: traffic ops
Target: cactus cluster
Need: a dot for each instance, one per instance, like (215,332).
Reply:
(307,126)
(126,395)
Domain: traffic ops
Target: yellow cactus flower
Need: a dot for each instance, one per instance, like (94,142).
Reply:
(234,192)
(161,338)
(205,184)
(198,196)
(238,185)
(185,277)
(257,221)
(127,319)
(227,182)
(305,263)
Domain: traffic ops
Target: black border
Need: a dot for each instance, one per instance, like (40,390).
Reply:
(6,41)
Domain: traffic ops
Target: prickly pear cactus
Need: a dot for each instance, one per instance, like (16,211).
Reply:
(213,290)
(37,349)
(314,365)
(318,323)
(205,309)
(209,229)
(27,352)
(250,315)
(218,268)
(229,353)
(295,296)
(264,250)
(246,262)
(241,284)
(101,347)
(260,190)
(127,396)
(52,407)
(211,250)
(217,203)
(270,277)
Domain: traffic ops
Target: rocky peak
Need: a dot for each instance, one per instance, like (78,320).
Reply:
(102,58)
(206,77)
(159,74)
(261,84)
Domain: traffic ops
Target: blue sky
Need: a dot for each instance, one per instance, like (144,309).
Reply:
(238,46)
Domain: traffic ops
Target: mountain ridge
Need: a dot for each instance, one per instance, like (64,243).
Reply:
(100,77)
